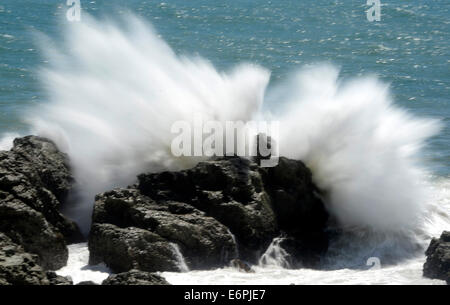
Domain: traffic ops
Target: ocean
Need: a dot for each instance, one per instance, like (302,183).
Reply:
(99,70)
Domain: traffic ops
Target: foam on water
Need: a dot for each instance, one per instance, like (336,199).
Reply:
(78,267)
(409,272)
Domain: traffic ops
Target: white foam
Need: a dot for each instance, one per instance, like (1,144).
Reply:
(78,268)
(407,273)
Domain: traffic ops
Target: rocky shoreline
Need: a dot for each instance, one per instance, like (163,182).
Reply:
(220,211)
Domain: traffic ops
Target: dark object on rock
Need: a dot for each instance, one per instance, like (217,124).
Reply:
(34,179)
(18,267)
(135,277)
(241,265)
(437,265)
(203,212)
(87,283)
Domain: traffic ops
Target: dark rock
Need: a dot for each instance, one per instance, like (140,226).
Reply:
(437,265)
(58,280)
(51,165)
(131,230)
(241,265)
(294,197)
(230,190)
(299,211)
(29,228)
(18,267)
(135,277)
(123,249)
(34,180)
(134,227)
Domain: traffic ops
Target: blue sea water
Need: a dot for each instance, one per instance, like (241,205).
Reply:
(409,48)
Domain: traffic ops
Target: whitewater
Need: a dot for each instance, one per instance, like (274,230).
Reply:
(115,88)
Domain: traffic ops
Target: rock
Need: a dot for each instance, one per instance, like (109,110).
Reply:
(29,228)
(228,189)
(255,203)
(135,277)
(437,265)
(58,280)
(51,165)
(299,211)
(131,230)
(34,181)
(18,267)
(294,198)
(123,249)
(241,265)
(205,210)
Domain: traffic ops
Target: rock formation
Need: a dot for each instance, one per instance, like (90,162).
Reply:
(35,179)
(219,210)
(437,265)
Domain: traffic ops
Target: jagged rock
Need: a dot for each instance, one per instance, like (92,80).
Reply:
(58,280)
(437,265)
(29,228)
(51,165)
(230,190)
(18,267)
(123,249)
(195,208)
(255,203)
(241,265)
(131,230)
(135,277)
(34,179)
(294,198)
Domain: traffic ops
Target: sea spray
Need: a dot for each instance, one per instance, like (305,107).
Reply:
(275,255)
(114,91)
(364,152)
(181,263)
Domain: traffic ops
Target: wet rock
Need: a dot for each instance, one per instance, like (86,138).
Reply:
(300,213)
(35,179)
(437,265)
(123,249)
(229,190)
(205,210)
(241,265)
(58,280)
(29,228)
(135,277)
(18,267)
(131,230)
